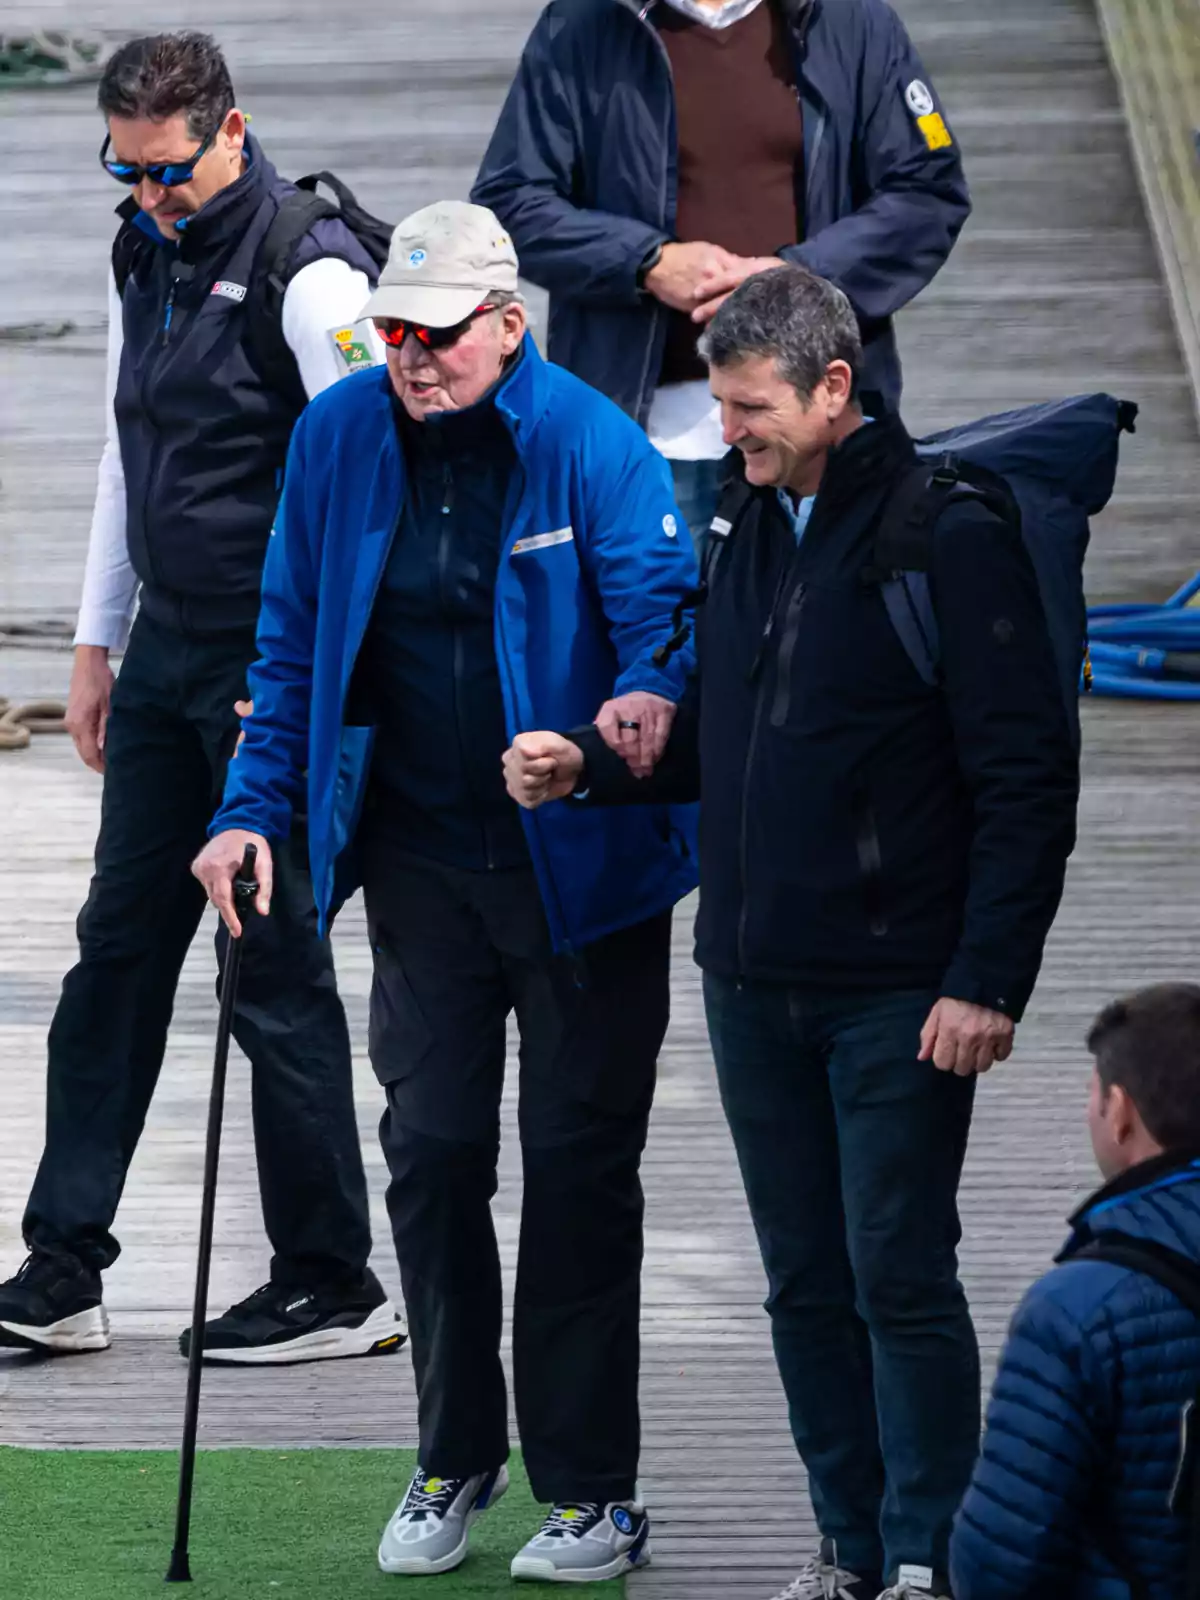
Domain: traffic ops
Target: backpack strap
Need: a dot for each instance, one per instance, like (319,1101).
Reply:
(903,551)
(298,213)
(735,497)
(1181,1276)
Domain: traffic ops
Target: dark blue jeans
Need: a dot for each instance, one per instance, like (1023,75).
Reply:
(697,487)
(851,1153)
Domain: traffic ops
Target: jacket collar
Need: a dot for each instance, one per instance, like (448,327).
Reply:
(524,395)
(1173,1166)
(797,12)
(520,397)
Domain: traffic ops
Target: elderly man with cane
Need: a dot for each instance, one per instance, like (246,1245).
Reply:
(471,544)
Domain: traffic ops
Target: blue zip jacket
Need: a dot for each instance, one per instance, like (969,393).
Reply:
(582,171)
(1085,1415)
(592,567)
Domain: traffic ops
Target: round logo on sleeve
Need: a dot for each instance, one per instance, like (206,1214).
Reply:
(670,526)
(918,99)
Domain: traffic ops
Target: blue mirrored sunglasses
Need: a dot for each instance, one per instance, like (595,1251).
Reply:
(167,174)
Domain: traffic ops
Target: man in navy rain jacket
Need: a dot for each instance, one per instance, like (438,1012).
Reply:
(474,543)
(650,157)
(1083,1434)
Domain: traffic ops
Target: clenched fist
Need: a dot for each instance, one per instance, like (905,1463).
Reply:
(540,767)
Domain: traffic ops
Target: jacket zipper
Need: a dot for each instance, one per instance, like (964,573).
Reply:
(758,678)
(148,410)
(443,563)
(783,666)
(646,387)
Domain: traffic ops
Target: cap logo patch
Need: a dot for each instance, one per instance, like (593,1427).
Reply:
(919,100)
(416,258)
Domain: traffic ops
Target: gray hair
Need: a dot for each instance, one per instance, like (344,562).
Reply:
(801,321)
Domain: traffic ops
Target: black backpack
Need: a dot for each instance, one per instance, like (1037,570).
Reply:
(274,268)
(1181,1276)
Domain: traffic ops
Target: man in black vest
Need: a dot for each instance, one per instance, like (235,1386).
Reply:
(198,435)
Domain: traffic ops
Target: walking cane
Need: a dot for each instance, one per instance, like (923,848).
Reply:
(244,890)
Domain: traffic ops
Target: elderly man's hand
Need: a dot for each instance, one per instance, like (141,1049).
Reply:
(966,1039)
(541,766)
(637,726)
(688,274)
(216,867)
(743,267)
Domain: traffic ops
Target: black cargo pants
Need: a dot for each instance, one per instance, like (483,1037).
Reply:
(455,953)
(171,732)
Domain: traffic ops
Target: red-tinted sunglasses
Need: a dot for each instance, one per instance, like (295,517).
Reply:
(394,330)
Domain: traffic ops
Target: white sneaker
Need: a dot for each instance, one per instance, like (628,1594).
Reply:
(586,1543)
(430,1528)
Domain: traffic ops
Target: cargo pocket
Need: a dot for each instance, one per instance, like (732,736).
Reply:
(398,1036)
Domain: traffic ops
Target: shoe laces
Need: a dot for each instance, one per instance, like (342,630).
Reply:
(37,1266)
(819,1580)
(429,1496)
(571,1519)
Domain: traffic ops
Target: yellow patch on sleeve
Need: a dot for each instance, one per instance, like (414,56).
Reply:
(937,134)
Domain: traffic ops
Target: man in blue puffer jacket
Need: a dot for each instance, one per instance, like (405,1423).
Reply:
(471,544)
(1083,1433)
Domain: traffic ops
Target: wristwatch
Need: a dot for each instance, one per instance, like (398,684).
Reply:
(649,264)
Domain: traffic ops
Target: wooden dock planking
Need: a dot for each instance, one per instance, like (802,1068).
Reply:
(1055,286)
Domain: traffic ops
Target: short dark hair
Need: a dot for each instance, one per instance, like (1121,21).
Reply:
(803,322)
(165,73)
(1149,1043)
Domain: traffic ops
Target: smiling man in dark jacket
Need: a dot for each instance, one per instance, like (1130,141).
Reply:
(880,862)
(1083,1439)
(650,157)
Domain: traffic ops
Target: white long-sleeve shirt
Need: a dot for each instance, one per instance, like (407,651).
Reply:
(325,295)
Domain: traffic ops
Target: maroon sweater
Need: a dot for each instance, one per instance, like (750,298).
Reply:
(741,147)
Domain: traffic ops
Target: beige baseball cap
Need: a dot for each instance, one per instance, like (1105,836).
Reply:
(444,261)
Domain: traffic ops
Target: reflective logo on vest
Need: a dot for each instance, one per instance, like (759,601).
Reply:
(231,291)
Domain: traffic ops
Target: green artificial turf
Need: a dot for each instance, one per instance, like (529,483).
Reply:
(266,1525)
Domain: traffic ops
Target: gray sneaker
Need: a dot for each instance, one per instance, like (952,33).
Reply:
(431,1525)
(825,1579)
(586,1543)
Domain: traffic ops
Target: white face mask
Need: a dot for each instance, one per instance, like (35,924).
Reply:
(723,16)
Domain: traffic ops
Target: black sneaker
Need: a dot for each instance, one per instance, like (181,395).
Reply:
(54,1303)
(277,1324)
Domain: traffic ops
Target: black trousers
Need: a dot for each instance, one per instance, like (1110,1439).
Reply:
(455,953)
(171,732)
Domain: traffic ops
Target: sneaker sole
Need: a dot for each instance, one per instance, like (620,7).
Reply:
(421,1566)
(534,1569)
(86,1330)
(382,1334)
